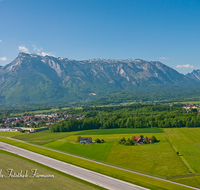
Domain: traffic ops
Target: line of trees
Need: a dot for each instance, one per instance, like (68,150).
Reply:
(160,120)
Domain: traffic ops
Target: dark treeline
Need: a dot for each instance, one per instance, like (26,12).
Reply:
(164,117)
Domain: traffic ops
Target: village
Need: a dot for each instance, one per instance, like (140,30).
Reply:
(35,123)
(188,107)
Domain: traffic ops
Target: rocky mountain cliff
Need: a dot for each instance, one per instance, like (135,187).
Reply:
(194,75)
(46,79)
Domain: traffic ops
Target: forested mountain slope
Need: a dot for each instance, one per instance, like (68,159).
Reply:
(46,79)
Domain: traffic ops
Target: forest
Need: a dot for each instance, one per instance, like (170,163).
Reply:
(133,116)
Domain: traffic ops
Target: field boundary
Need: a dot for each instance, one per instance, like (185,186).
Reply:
(182,160)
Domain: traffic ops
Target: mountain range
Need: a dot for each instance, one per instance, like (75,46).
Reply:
(47,79)
(194,75)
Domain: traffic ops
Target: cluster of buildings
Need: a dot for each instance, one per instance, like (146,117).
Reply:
(188,107)
(141,139)
(86,140)
(36,121)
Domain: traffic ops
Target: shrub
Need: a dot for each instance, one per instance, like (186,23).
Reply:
(97,140)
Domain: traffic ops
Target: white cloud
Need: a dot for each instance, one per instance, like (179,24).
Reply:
(3,58)
(188,66)
(44,54)
(0,40)
(40,52)
(24,49)
(35,48)
(163,57)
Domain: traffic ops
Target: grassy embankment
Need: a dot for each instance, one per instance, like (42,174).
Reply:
(117,173)
(17,163)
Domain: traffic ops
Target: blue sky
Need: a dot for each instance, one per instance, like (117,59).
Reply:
(153,30)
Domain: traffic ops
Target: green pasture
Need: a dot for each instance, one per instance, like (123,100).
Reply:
(121,131)
(159,159)
(108,137)
(187,142)
(42,137)
(60,181)
(40,111)
(98,152)
(9,134)
(193,102)
(144,181)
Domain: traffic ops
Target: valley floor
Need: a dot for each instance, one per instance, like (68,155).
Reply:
(158,159)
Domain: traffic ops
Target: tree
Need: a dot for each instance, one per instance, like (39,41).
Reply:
(97,140)
(78,138)
(134,140)
(146,140)
(122,140)
(153,139)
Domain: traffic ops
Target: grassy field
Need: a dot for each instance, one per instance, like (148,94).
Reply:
(158,162)
(98,152)
(120,131)
(60,181)
(42,137)
(187,142)
(144,181)
(41,111)
(159,159)
(9,134)
(193,102)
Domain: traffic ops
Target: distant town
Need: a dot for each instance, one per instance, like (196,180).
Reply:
(32,123)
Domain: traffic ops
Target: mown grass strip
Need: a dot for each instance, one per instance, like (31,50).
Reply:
(137,179)
(18,162)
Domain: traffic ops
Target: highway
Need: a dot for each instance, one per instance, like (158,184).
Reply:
(78,172)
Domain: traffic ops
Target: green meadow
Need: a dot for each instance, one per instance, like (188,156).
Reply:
(98,152)
(151,183)
(158,159)
(42,137)
(187,143)
(120,131)
(40,111)
(9,134)
(60,180)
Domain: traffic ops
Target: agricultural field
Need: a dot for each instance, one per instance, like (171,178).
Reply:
(42,137)
(9,134)
(60,181)
(156,159)
(186,141)
(40,111)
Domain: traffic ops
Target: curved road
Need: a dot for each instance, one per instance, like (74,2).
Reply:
(84,174)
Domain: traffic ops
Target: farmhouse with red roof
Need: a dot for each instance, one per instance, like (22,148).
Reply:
(141,139)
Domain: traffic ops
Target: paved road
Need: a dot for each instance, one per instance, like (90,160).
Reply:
(84,174)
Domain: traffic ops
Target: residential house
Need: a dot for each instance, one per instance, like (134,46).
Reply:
(141,140)
(86,140)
